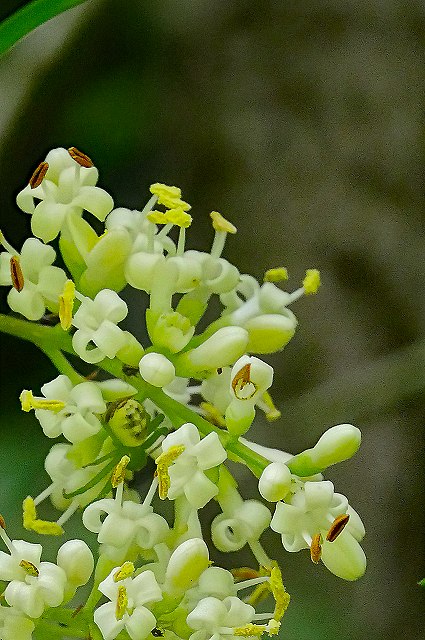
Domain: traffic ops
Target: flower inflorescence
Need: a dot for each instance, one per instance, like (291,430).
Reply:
(183,398)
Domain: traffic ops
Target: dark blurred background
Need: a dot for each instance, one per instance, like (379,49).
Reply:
(302,122)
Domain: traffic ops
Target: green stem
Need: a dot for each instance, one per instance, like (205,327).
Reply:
(32,15)
(63,365)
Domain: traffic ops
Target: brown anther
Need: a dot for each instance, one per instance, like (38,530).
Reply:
(244,573)
(80,157)
(316,548)
(241,379)
(337,527)
(16,274)
(2,522)
(38,175)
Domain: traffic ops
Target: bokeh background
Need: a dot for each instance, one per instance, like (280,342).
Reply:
(303,123)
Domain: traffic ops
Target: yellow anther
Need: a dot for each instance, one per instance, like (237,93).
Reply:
(316,548)
(276,275)
(28,402)
(311,282)
(279,592)
(163,462)
(273,627)
(221,224)
(242,385)
(212,414)
(158,189)
(16,274)
(179,217)
(272,412)
(32,523)
(118,473)
(337,527)
(29,568)
(157,217)
(66,305)
(124,572)
(122,603)
(250,630)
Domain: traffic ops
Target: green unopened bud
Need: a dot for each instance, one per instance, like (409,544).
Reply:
(270,332)
(223,348)
(186,564)
(170,330)
(337,444)
(239,417)
(128,420)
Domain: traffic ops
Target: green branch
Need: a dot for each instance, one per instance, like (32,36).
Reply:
(29,17)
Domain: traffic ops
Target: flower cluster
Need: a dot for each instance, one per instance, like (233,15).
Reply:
(180,401)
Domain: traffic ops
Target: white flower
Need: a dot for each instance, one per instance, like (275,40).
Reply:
(310,512)
(77,420)
(187,472)
(66,190)
(14,625)
(126,523)
(33,585)
(96,321)
(186,564)
(126,609)
(242,522)
(42,283)
(217,618)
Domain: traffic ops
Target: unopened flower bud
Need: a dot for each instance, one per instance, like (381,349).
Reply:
(185,566)
(270,332)
(220,350)
(156,369)
(76,559)
(275,482)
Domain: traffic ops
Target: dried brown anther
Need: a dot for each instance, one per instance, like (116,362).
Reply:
(80,157)
(38,175)
(2,522)
(316,548)
(337,527)
(16,274)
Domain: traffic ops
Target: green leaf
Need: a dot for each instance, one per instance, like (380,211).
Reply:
(32,15)
(421,583)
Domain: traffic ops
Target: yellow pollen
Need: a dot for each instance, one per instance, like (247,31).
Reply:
(157,217)
(273,627)
(311,282)
(241,380)
(337,526)
(158,189)
(118,473)
(279,592)
(66,305)
(38,175)
(28,402)
(276,275)
(316,548)
(163,462)
(122,603)
(273,412)
(212,414)
(80,157)
(32,523)
(16,274)
(250,630)
(179,217)
(124,572)
(29,568)
(220,223)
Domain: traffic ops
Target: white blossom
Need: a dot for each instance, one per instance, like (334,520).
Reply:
(214,618)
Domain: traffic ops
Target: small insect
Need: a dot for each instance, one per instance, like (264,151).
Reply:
(128,419)
(157,633)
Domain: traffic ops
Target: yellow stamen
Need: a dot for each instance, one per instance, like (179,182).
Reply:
(241,380)
(29,568)
(32,523)
(279,592)
(311,282)
(159,189)
(212,414)
(38,175)
(157,217)
(276,275)
(273,412)
(220,223)
(28,402)
(163,462)
(260,593)
(250,630)
(273,627)
(337,526)
(179,217)
(118,474)
(124,572)
(122,603)
(16,274)
(244,573)
(66,305)
(316,548)
(80,157)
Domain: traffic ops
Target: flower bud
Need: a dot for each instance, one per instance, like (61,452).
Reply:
(156,369)
(185,566)
(220,350)
(275,482)
(270,332)
(76,559)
